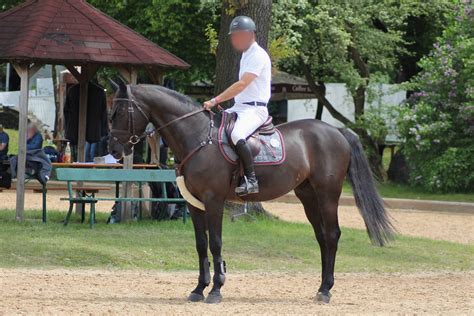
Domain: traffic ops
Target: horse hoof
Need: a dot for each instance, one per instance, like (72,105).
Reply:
(213,298)
(323,298)
(194,297)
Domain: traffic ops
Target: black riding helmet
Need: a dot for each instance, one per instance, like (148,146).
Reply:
(242,23)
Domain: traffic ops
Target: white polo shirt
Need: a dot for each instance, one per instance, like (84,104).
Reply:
(255,60)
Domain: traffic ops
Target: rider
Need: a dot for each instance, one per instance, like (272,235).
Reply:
(251,94)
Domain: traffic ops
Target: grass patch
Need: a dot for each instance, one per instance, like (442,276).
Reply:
(259,245)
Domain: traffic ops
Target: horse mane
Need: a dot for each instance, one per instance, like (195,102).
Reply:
(176,95)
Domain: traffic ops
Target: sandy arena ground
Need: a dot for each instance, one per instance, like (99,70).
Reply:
(143,292)
(78,291)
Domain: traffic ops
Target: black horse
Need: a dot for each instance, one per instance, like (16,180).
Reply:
(318,158)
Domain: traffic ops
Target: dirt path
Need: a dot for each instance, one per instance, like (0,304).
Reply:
(143,292)
(457,227)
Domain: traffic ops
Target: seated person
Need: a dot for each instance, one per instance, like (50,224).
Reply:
(4,139)
(34,140)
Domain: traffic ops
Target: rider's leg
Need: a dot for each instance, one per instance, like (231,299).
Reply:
(247,122)
(249,184)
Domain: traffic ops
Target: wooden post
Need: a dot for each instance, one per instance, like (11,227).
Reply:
(81,133)
(130,74)
(25,72)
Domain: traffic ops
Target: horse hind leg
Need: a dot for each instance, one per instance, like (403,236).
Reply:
(321,210)
(327,194)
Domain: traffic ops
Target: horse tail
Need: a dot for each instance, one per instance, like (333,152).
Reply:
(368,200)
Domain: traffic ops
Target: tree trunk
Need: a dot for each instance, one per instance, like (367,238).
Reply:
(319,91)
(227,64)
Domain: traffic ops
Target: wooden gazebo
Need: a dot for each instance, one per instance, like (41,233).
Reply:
(72,33)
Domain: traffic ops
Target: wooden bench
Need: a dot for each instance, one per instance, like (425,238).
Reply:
(43,189)
(114,175)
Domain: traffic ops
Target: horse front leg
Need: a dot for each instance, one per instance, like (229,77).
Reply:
(199,223)
(214,215)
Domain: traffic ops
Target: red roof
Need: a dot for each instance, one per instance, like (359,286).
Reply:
(73,31)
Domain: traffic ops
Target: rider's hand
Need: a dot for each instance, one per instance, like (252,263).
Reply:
(208,105)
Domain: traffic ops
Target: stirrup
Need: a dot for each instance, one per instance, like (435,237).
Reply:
(247,187)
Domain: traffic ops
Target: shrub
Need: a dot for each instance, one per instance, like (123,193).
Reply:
(437,122)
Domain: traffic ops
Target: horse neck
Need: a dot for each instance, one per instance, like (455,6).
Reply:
(184,135)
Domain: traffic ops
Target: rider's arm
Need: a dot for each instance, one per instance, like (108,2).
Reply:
(232,91)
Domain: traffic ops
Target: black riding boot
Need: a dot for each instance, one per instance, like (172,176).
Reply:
(249,183)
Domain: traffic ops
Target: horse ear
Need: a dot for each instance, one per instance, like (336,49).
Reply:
(122,84)
(114,85)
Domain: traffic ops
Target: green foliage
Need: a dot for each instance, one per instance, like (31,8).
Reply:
(452,171)
(279,49)
(373,122)
(350,41)
(7,4)
(437,123)
(178,26)
(212,38)
(327,33)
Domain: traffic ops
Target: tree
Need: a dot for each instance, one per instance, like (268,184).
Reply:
(354,42)
(437,122)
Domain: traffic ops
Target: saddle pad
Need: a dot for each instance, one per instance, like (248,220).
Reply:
(272,148)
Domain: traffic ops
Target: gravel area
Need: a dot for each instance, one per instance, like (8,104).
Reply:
(70,292)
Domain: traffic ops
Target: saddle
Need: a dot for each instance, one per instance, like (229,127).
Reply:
(266,128)
(266,142)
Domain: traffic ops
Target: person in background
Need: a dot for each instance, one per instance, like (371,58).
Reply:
(4,140)
(96,126)
(34,140)
(91,151)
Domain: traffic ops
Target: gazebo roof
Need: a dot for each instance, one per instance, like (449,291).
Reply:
(73,31)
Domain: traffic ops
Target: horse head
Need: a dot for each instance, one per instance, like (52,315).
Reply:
(129,120)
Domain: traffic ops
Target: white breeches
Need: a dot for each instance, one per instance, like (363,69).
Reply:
(248,120)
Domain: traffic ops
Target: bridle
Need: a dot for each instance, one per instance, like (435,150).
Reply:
(134,138)
(132,104)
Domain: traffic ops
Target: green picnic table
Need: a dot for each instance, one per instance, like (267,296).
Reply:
(117,176)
